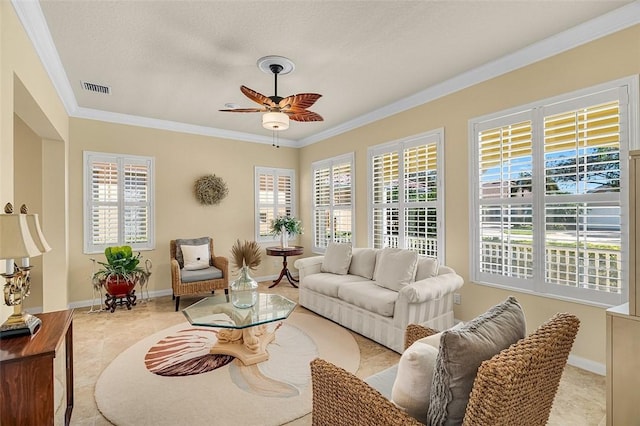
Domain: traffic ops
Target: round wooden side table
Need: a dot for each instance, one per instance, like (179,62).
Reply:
(284,252)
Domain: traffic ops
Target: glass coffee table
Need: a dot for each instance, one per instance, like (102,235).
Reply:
(243,333)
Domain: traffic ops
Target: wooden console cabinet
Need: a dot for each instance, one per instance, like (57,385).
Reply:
(623,324)
(29,370)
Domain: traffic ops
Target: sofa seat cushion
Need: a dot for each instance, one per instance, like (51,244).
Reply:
(327,284)
(383,381)
(369,296)
(210,273)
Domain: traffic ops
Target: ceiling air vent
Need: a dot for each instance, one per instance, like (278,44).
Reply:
(97,88)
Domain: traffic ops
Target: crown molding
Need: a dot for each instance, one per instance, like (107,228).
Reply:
(606,24)
(174,126)
(32,19)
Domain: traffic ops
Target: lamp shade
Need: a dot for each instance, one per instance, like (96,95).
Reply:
(275,121)
(15,238)
(36,233)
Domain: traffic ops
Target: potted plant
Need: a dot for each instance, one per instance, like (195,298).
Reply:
(121,272)
(285,226)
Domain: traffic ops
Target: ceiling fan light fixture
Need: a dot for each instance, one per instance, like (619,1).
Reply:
(275,121)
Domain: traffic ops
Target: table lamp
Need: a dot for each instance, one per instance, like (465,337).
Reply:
(20,237)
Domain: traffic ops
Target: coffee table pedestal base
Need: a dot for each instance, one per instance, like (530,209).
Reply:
(249,344)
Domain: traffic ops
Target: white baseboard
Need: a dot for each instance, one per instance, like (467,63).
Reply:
(587,364)
(88,303)
(156,293)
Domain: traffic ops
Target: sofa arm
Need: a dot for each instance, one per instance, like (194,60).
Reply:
(342,399)
(308,265)
(431,288)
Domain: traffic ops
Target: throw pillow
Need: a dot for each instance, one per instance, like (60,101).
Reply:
(412,386)
(188,242)
(395,268)
(462,350)
(195,257)
(363,260)
(427,268)
(337,258)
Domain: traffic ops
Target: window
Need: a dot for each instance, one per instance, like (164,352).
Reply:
(118,201)
(333,216)
(549,196)
(406,207)
(275,189)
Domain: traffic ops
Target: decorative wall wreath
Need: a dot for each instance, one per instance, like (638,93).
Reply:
(210,189)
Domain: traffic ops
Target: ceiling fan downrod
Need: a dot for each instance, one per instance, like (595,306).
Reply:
(275,69)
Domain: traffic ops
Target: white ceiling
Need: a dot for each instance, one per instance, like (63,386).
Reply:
(173,64)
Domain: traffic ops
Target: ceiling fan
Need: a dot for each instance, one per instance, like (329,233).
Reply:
(278,109)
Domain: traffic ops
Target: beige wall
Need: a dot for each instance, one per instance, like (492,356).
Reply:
(40,109)
(180,159)
(28,190)
(603,60)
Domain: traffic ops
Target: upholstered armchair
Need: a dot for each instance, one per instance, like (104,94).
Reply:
(515,387)
(196,269)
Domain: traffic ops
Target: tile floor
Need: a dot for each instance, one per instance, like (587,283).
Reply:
(100,337)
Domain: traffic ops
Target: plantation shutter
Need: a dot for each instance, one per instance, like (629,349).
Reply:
(342,203)
(505,187)
(385,199)
(136,202)
(322,206)
(549,207)
(332,202)
(104,203)
(118,201)
(407,207)
(582,146)
(275,189)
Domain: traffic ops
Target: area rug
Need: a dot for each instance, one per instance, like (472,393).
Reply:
(190,386)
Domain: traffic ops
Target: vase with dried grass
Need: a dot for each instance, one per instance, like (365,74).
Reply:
(244,290)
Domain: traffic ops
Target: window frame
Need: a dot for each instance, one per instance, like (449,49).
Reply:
(435,137)
(625,90)
(330,163)
(89,157)
(275,173)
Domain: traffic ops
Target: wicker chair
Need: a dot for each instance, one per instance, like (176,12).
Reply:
(515,387)
(181,288)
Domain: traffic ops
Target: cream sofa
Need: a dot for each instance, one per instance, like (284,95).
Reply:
(378,292)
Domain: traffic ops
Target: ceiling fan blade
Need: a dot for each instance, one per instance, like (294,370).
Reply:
(257,97)
(299,101)
(244,110)
(303,115)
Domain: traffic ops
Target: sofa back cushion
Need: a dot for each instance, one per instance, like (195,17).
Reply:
(337,258)
(462,350)
(412,385)
(395,268)
(195,257)
(427,267)
(189,242)
(363,262)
